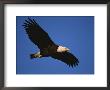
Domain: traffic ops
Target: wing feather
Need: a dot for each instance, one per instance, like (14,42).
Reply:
(67,58)
(37,35)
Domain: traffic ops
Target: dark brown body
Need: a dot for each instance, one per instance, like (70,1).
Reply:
(49,51)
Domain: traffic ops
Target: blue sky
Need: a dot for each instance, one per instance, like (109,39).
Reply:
(74,32)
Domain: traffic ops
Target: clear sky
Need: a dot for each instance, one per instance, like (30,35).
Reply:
(74,32)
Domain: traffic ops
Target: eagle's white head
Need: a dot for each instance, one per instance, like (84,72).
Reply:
(62,49)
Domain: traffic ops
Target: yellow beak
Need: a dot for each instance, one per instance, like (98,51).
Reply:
(67,49)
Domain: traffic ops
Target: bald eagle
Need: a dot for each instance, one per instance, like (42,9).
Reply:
(47,47)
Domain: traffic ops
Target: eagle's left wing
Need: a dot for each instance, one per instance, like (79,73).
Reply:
(67,58)
(37,35)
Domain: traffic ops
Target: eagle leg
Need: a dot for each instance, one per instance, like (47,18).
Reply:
(36,55)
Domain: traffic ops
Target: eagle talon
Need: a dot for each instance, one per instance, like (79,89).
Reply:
(39,56)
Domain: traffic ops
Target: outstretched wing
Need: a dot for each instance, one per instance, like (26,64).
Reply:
(67,58)
(37,35)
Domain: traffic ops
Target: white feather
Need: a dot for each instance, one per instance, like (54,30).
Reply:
(62,49)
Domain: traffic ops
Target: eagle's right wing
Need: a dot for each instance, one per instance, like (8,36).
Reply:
(37,35)
(66,57)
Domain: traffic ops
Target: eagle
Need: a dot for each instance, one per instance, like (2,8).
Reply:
(47,48)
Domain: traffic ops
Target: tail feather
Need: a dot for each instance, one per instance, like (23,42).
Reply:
(32,56)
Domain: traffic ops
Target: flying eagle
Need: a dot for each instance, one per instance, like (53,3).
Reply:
(47,47)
